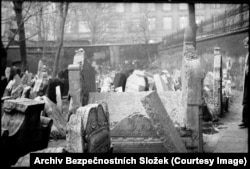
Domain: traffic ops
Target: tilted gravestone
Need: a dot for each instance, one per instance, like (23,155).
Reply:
(159,83)
(88,130)
(24,127)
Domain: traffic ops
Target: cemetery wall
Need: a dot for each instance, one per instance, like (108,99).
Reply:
(98,53)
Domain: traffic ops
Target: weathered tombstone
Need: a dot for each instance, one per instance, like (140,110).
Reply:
(17,81)
(74,86)
(135,132)
(208,97)
(88,130)
(136,82)
(51,110)
(17,92)
(59,98)
(26,129)
(160,84)
(40,69)
(79,57)
(217,81)
(81,80)
(191,87)
(163,124)
(26,92)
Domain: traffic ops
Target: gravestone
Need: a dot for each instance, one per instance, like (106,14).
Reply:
(136,82)
(74,86)
(81,80)
(217,95)
(191,88)
(59,98)
(132,129)
(26,129)
(160,84)
(52,111)
(208,97)
(88,130)
(40,69)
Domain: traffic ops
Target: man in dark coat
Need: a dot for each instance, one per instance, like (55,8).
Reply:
(245,102)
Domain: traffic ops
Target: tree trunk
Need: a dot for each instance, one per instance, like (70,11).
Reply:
(63,14)
(20,25)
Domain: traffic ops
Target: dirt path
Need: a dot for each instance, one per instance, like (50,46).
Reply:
(228,137)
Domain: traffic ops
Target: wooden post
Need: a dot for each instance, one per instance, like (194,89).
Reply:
(191,83)
(217,87)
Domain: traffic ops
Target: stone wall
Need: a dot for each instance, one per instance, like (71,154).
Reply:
(98,53)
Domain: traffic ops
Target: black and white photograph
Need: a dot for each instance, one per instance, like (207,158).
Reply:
(123,77)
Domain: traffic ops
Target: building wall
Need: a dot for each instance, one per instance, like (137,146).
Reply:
(124,36)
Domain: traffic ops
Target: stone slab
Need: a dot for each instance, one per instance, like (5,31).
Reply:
(162,123)
(88,130)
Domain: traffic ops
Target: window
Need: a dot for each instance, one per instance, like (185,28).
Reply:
(183,22)
(68,27)
(83,27)
(215,6)
(183,6)
(134,7)
(135,24)
(151,6)
(167,7)
(167,23)
(199,19)
(151,24)
(120,7)
(199,6)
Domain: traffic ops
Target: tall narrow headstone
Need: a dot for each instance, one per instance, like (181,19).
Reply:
(74,86)
(217,88)
(81,80)
(191,88)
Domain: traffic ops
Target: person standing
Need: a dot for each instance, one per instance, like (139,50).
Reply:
(245,101)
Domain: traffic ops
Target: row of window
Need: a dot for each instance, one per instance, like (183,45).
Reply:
(135,7)
(167,23)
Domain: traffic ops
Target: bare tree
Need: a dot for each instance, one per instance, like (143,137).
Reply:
(143,30)
(63,10)
(19,19)
(97,16)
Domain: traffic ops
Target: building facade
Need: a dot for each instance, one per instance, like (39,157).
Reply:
(108,23)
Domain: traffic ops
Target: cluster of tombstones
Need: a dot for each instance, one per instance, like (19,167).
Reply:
(138,80)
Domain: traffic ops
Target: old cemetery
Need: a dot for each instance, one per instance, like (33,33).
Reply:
(135,111)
